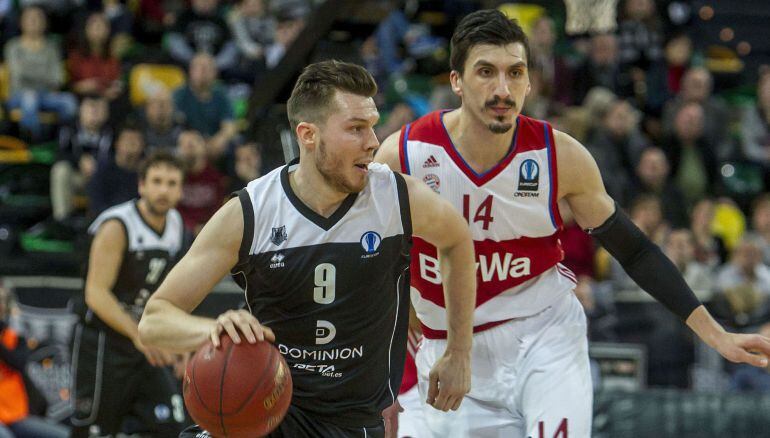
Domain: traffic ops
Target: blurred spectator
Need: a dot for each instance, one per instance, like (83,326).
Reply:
(248,165)
(206,106)
(599,307)
(640,35)
(755,124)
(80,147)
(616,145)
(600,69)
(9,21)
(556,80)
(253,30)
(680,249)
(697,87)
(154,16)
(537,105)
(203,184)
(288,28)
(678,53)
(400,115)
(652,177)
(160,125)
(201,29)
(743,283)
(36,74)
(693,160)
(709,248)
(91,66)
(15,418)
(115,178)
(760,222)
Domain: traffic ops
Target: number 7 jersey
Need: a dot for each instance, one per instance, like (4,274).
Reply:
(513,216)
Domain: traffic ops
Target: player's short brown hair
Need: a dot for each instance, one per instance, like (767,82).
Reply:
(311,98)
(159,158)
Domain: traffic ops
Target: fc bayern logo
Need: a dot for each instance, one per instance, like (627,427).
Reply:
(432,181)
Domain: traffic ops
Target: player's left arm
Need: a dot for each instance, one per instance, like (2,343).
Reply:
(435,220)
(580,185)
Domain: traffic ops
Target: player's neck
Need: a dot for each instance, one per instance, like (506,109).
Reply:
(479,147)
(311,188)
(157,222)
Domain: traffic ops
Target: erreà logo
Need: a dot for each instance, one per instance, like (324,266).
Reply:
(529,176)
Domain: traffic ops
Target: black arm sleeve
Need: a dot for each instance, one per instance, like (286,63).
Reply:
(645,263)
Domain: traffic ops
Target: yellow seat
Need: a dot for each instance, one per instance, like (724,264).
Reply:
(146,79)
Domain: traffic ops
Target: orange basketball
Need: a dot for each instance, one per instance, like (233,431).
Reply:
(237,390)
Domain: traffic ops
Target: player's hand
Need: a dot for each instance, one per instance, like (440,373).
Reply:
(235,321)
(450,380)
(155,356)
(390,416)
(752,349)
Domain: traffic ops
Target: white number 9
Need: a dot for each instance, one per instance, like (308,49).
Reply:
(325,282)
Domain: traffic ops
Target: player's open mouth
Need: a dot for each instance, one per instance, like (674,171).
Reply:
(500,109)
(363,167)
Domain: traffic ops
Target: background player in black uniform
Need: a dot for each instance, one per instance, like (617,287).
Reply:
(322,250)
(134,246)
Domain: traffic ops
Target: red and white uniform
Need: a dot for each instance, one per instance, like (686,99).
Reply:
(522,290)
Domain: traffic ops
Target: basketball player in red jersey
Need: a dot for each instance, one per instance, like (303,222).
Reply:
(506,173)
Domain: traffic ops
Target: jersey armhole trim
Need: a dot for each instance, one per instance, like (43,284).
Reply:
(553,201)
(248,226)
(403,202)
(403,154)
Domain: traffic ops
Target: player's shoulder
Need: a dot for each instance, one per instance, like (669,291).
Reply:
(265,183)
(118,213)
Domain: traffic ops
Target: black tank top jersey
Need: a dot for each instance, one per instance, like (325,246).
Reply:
(334,290)
(148,257)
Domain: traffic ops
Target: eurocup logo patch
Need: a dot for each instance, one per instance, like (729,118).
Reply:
(529,176)
(370,241)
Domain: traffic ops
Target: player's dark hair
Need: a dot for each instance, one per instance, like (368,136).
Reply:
(487,26)
(311,98)
(157,158)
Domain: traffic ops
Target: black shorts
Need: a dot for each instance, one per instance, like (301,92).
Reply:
(298,424)
(113,383)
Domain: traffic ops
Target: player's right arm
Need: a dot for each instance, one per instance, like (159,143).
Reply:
(167,321)
(388,152)
(105,258)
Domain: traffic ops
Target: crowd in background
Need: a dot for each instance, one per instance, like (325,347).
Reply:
(637,94)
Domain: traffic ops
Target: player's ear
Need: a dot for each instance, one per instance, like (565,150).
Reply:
(456,80)
(307,134)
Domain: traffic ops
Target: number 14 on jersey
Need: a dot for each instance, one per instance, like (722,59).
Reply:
(483,211)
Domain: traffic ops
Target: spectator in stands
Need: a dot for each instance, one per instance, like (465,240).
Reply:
(154,16)
(253,30)
(206,106)
(91,66)
(616,145)
(693,160)
(115,178)
(15,418)
(555,74)
(600,69)
(709,248)
(36,74)
(9,21)
(760,222)
(291,21)
(697,87)
(160,125)
(652,177)
(743,284)
(203,190)
(201,29)
(755,125)
(248,165)
(678,53)
(680,248)
(80,147)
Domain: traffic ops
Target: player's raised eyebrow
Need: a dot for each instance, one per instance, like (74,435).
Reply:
(363,120)
(485,63)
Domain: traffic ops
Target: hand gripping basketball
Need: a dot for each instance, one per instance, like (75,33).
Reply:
(235,321)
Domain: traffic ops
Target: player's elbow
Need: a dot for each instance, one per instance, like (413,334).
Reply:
(148,330)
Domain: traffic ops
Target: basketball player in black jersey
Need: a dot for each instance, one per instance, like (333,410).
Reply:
(321,247)
(134,246)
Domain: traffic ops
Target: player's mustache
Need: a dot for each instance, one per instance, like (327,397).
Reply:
(498,101)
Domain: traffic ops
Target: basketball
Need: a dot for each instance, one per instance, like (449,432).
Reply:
(237,390)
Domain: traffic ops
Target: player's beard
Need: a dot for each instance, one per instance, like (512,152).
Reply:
(331,171)
(156,210)
(499,126)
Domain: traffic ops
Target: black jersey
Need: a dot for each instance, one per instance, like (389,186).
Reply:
(334,290)
(148,257)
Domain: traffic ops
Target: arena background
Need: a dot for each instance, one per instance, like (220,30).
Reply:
(680,127)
